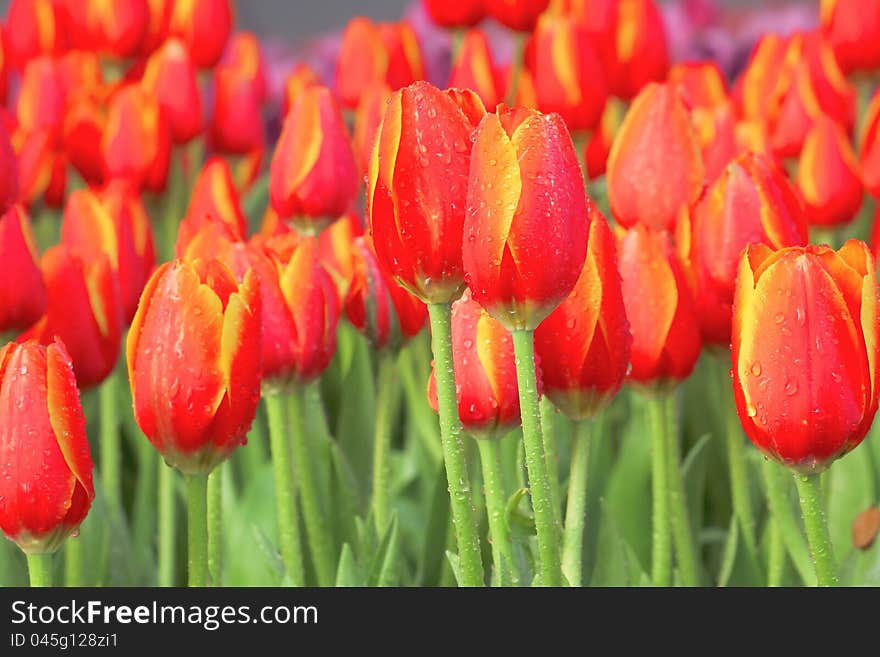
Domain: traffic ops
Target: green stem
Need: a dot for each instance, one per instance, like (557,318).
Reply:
(776,557)
(175,205)
(317,529)
(285,490)
(463,514)
(516,66)
(682,535)
(215,523)
(145,495)
(386,402)
(661,541)
(549,565)
(496,507)
(548,424)
(813,510)
(576,504)
(111,447)
(74,562)
(775,483)
(167,524)
(197,529)
(40,570)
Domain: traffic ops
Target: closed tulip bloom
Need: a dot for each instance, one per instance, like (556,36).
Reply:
(805,351)
(111,27)
(567,70)
(83,310)
(23,293)
(716,133)
(137,140)
(313,178)
(659,307)
(32,29)
(475,69)
(300,78)
(243,53)
(9,175)
(214,197)
(42,169)
(598,146)
(520,15)
(367,120)
(42,98)
(204,26)
(46,472)
(417,188)
(869,152)
(485,372)
(584,345)
(527,222)
(193,358)
(158,23)
(702,84)
(237,121)
(852,27)
(655,166)
(170,76)
(336,250)
(828,176)
(762,85)
(751,202)
(640,53)
(83,128)
(376,306)
(122,200)
(463,13)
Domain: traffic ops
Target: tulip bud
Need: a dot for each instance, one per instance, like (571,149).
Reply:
(237,122)
(193,358)
(376,306)
(485,372)
(46,472)
(84,124)
(475,69)
(416,191)
(42,98)
(598,146)
(170,76)
(32,29)
(828,175)
(659,307)
(869,152)
(367,120)
(805,351)
(584,345)
(701,84)
(112,27)
(716,133)
(527,222)
(9,176)
(568,73)
(42,170)
(751,202)
(462,13)
(243,54)
(298,80)
(655,165)
(336,250)
(520,15)
(204,26)
(83,310)
(852,27)
(313,177)
(23,292)
(639,51)
(158,21)
(214,197)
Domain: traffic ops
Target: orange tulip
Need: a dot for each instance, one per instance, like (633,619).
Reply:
(366,122)
(475,69)
(170,76)
(112,27)
(23,292)
(520,15)
(852,27)
(639,53)
(237,122)
(204,26)
(299,79)
(32,29)
(869,152)
(214,197)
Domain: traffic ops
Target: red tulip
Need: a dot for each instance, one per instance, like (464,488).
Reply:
(84,124)
(214,197)
(112,27)
(485,371)
(243,54)
(158,22)
(377,307)
(702,84)
(520,15)
(527,222)
(170,76)
(461,13)
(32,29)
(300,78)
(237,122)
(869,152)
(336,250)
(417,189)
(83,310)
(313,177)
(659,307)
(640,54)
(655,166)
(193,357)
(475,69)
(23,292)
(751,202)
(584,345)
(598,145)
(853,29)
(46,472)
(204,26)
(42,169)
(367,120)
(42,97)
(9,176)
(805,351)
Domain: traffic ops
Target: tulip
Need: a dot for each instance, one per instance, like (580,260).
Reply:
(336,250)
(42,98)
(639,52)
(193,357)
(463,13)
(170,76)
(475,69)
(84,124)
(46,476)
(869,151)
(852,27)
(716,133)
(568,72)
(9,171)
(243,54)
(751,202)
(23,293)
(598,146)
(762,85)
(214,197)
(313,177)
(112,27)
(659,307)
(41,169)
(300,78)
(237,123)
(84,311)
(367,120)
(416,191)
(519,15)
(158,22)
(377,307)
(655,166)
(204,26)
(828,175)
(32,29)
(805,354)
(584,344)
(527,221)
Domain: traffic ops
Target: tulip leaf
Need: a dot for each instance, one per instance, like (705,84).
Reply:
(13,565)
(862,567)
(344,491)
(850,489)
(384,568)
(436,530)
(348,574)
(255,202)
(454,563)
(616,562)
(739,564)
